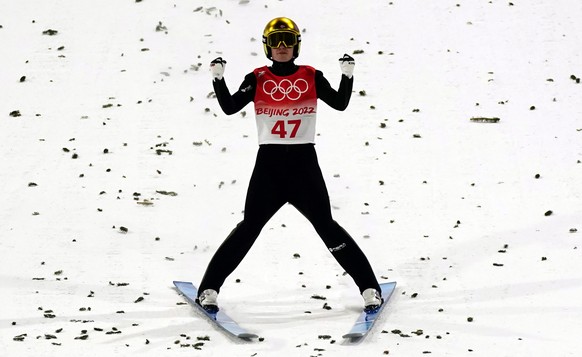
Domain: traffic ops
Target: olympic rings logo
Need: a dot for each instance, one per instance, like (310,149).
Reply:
(285,89)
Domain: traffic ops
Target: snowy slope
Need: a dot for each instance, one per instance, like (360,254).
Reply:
(120,174)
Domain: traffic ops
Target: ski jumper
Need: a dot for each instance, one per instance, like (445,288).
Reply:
(286,169)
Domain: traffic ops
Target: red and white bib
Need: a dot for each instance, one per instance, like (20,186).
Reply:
(286,107)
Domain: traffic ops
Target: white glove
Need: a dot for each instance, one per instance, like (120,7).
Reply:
(217,68)
(347,64)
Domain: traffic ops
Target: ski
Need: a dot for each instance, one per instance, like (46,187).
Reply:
(220,318)
(366,320)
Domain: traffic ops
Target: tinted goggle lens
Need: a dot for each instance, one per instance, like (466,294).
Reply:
(287,39)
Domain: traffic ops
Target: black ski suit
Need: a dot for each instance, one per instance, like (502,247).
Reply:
(286,174)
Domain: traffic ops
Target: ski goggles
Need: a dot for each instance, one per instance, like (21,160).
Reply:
(287,39)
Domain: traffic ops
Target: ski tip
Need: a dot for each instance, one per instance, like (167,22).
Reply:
(388,288)
(177,282)
(388,284)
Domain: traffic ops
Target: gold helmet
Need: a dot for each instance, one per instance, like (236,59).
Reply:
(281,31)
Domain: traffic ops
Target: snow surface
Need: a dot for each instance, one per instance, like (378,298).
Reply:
(113,125)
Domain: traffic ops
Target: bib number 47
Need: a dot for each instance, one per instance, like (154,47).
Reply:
(281,128)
